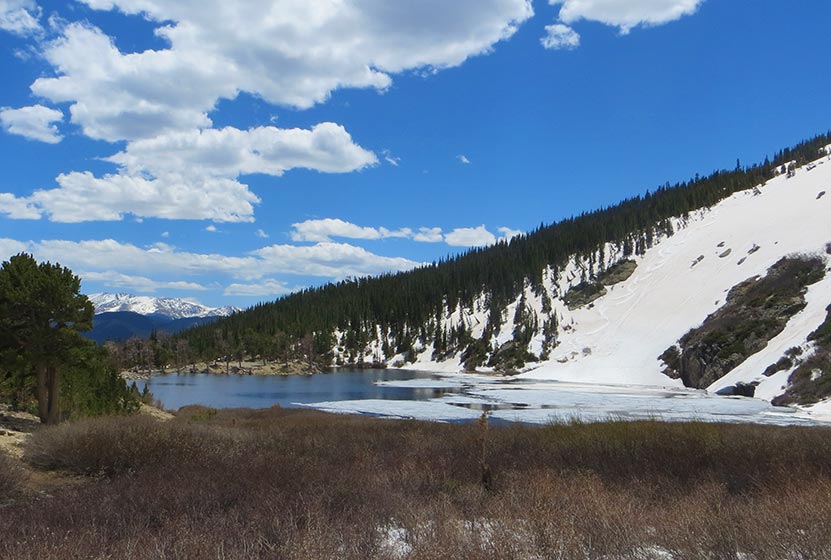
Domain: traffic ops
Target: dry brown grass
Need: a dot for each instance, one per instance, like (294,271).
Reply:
(302,485)
(11,478)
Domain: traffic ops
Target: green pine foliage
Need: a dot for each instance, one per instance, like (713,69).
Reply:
(406,308)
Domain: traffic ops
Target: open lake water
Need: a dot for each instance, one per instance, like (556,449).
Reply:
(176,390)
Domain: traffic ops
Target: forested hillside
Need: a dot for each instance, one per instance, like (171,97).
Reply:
(391,318)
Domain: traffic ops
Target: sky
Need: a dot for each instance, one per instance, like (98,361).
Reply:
(235,152)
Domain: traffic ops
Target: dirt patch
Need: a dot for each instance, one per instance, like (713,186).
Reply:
(15,427)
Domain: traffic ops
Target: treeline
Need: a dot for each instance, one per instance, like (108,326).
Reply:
(400,309)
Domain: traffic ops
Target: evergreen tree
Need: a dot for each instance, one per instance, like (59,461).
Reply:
(41,313)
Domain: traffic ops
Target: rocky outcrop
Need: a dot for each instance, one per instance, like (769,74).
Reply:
(756,310)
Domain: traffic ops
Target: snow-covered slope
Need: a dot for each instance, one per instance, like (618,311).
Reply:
(146,305)
(678,282)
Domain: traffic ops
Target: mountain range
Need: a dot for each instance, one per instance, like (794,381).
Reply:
(122,316)
(171,308)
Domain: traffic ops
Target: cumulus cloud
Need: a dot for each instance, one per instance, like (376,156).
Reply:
(623,14)
(470,237)
(35,122)
(288,52)
(20,17)
(462,158)
(138,283)
(261,234)
(211,228)
(508,233)
(328,260)
(82,197)
(11,247)
(230,152)
(18,208)
(191,175)
(268,287)
(323,230)
(327,228)
(560,36)
(334,260)
(429,235)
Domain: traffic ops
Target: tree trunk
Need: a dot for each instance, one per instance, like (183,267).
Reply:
(42,393)
(53,413)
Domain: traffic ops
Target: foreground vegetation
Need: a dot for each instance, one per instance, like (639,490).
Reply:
(299,484)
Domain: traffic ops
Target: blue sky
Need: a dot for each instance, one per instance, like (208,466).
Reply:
(231,155)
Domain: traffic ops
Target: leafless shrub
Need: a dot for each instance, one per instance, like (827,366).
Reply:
(11,478)
(298,484)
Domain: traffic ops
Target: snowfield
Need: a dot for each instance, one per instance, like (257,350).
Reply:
(610,348)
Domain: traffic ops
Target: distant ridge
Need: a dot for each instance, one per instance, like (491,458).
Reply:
(122,316)
(172,308)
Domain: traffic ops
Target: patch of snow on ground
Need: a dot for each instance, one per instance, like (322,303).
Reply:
(545,402)
(415,410)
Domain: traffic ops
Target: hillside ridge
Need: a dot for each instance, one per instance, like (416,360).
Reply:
(503,308)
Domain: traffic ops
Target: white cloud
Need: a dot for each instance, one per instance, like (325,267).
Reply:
(230,152)
(329,260)
(18,208)
(265,288)
(262,234)
(625,14)
(82,197)
(334,260)
(429,235)
(470,237)
(11,247)
(403,233)
(325,229)
(389,158)
(165,234)
(137,283)
(288,52)
(211,228)
(462,158)
(159,258)
(35,122)
(508,233)
(560,36)
(191,175)
(20,17)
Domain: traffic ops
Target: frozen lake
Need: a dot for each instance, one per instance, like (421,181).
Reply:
(409,394)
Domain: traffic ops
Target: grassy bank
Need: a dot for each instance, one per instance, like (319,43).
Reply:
(301,484)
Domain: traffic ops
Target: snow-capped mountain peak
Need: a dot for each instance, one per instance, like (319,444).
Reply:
(146,305)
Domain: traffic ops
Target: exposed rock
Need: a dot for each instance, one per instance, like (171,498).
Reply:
(756,310)
(587,292)
(738,390)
